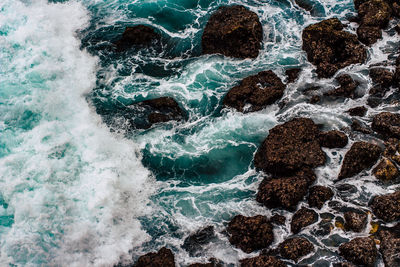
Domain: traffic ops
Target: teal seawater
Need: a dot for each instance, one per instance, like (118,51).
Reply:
(78,190)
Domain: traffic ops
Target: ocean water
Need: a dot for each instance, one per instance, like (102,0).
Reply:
(79,189)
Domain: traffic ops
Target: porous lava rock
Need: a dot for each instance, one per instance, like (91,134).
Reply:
(347,87)
(358,111)
(290,147)
(360,251)
(381,76)
(387,124)
(194,243)
(318,195)
(292,74)
(355,221)
(387,207)
(139,35)
(262,261)
(386,170)
(255,92)
(285,192)
(390,247)
(303,218)
(250,233)
(361,156)
(295,248)
(278,219)
(333,139)
(233,31)
(163,257)
(330,48)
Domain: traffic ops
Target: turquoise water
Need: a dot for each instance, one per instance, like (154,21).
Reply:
(77,189)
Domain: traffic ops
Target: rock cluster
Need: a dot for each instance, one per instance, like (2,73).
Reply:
(360,251)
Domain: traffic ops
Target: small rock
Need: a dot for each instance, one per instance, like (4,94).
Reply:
(292,74)
(318,195)
(381,76)
(302,218)
(163,257)
(140,35)
(278,219)
(347,87)
(193,243)
(358,111)
(295,248)
(387,207)
(361,156)
(357,127)
(262,261)
(360,251)
(387,124)
(250,233)
(386,170)
(355,221)
(333,139)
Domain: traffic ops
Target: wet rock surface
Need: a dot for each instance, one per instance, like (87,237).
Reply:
(140,35)
(193,243)
(347,87)
(387,207)
(355,221)
(360,251)
(331,48)
(361,156)
(278,219)
(262,261)
(303,218)
(386,170)
(163,257)
(387,124)
(358,111)
(290,147)
(256,92)
(318,195)
(233,31)
(390,247)
(292,74)
(250,233)
(295,248)
(333,139)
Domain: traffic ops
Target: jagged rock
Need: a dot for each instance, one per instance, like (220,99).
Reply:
(256,92)
(387,207)
(318,195)
(347,87)
(163,257)
(386,170)
(330,48)
(355,221)
(360,251)
(295,248)
(250,233)
(358,111)
(381,76)
(387,124)
(290,147)
(361,156)
(292,74)
(356,126)
(333,139)
(390,247)
(285,192)
(139,35)
(278,219)
(233,31)
(303,218)
(193,243)
(369,34)
(262,261)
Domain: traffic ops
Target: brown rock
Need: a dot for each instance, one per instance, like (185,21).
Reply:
(136,36)
(381,76)
(257,91)
(369,34)
(347,87)
(386,170)
(358,111)
(233,31)
(387,207)
(387,124)
(250,233)
(318,195)
(355,221)
(163,257)
(295,248)
(278,219)
(356,126)
(303,218)
(333,139)
(292,74)
(361,156)
(262,261)
(390,247)
(360,251)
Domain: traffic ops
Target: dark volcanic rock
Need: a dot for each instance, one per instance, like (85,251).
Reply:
(278,219)
(250,233)
(136,36)
(164,109)
(386,170)
(290,147)
(347,87)
(285,192)
(358,111)
(194,242)
(387,207)
(381,76)
(330,48)
(163,257)
(262,261)
(295,248)
(355,221)
(361,156)
(333,139)
(318,195)
(303,218)
(213,263)
(233,31)
(387,124)
(369,34)
(257,91)
(360,251)
(292,74)
(390,247)
(358,127)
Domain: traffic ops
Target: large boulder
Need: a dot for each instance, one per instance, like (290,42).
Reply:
(233,31)
(303,218)
(139,35)
(318,195)
(330,48)
(262,261)
(285,192)
(255,92)
(295,248)
(250,233)
(361,156)
(360,251)
(163,257)
(387,207)
(290,147)
(387,124)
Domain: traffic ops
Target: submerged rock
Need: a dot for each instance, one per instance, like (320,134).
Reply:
(358,111)
(358,127)
(255,92)
(164,109)
(333,139)
(355,221)
(360,251)
(361,156)
(163,257)
(330,48)
(387,124)
(262,261)
(139,35)
(233,31)
(193,243)
(386,170)
(290,147)
(387,207)
(303,218)
(347,87)
(295,248)
(285,192)
(250,233)
(213,263)
(318,195)
(390,247)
